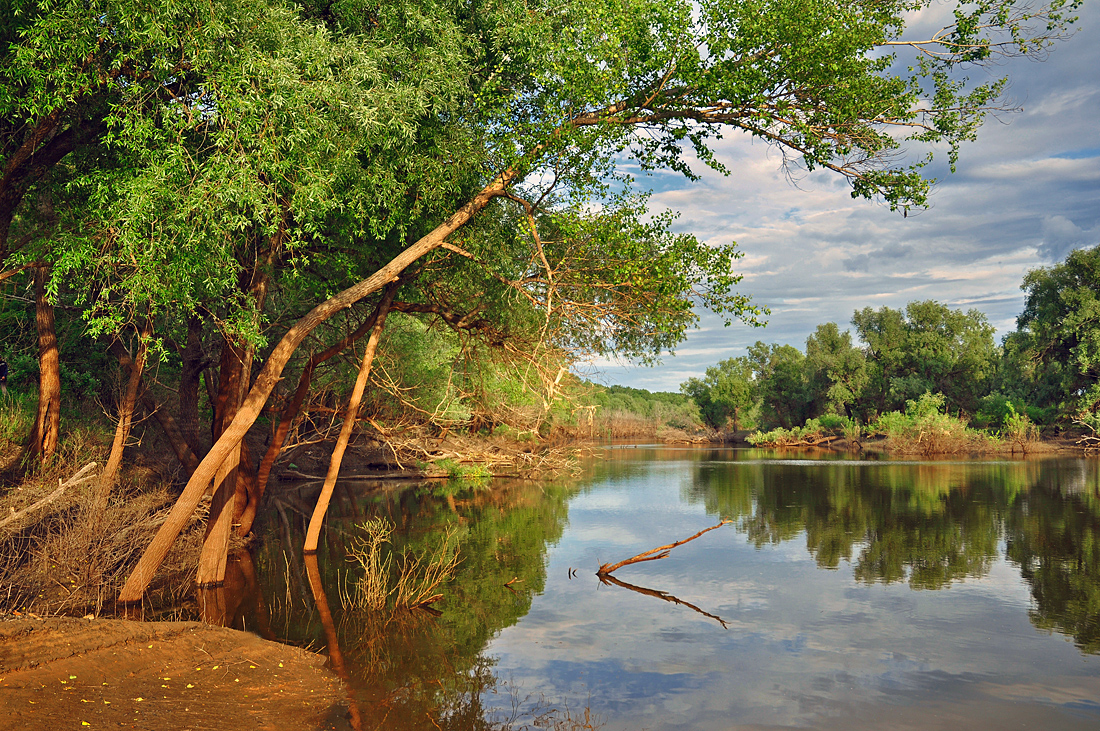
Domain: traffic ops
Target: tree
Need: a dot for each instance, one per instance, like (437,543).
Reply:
(928,348)
(1059,331)
(837,371)
(256,139)
(781,378)
(726,395)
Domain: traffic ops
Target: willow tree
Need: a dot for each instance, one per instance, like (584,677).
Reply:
(390,127)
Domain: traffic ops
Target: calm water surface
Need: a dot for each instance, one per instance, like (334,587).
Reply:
(845,594)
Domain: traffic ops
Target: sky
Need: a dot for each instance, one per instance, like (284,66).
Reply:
(1024,194)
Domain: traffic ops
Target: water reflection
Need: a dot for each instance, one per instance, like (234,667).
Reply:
(906,564)
(930,524)
(419,668)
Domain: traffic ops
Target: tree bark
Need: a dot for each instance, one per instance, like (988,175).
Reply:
(269,377)
(42,442)
(290,413)
(313,533)
(215,548)
(125,419)
(193,364)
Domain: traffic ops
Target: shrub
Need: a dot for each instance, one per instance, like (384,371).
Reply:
(925,429)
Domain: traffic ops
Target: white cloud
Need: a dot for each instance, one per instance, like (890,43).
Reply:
(1024,194)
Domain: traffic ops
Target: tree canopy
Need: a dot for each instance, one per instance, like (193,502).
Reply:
(243,172)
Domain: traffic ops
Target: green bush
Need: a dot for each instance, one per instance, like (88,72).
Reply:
(925,429)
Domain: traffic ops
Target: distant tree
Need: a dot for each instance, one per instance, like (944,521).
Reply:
(836,369)
(1059,330)
(782,383)
(929,347)
(726,395)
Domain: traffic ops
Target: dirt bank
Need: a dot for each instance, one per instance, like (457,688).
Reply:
(66,673)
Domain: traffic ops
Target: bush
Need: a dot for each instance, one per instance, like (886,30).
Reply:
(925,429)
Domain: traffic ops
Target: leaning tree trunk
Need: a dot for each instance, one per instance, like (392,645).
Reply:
(271,374)
(314,532)
(125,419)
(290,413)
(232,382)
(42,442)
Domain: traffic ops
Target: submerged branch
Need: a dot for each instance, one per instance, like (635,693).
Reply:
(664,595)
(655,553)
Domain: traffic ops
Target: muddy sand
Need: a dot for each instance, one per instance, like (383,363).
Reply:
(66,673)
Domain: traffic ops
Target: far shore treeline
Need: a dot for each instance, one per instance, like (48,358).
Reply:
(1047,371)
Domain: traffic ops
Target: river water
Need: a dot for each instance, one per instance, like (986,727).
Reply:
(843,593)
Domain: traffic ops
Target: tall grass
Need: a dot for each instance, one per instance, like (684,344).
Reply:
(924,429)
(402,582)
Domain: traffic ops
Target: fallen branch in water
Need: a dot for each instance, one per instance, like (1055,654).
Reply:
(608,579)
(78,478)
(655,553)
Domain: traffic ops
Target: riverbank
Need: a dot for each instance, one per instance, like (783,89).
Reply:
(109,673)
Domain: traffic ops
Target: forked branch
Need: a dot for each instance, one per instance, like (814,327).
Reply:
(655,553)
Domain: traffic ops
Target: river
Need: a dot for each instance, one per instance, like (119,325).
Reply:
(844,593)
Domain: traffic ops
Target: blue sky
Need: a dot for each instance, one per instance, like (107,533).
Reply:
(1025,194)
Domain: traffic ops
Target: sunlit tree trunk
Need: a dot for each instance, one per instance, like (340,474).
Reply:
(215,548)
(42,442)
(350,417)
(290,413)
(125,419)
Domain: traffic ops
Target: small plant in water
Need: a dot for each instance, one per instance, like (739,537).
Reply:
(408,582)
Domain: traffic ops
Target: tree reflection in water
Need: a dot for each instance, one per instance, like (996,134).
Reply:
(931,524)
(417,669)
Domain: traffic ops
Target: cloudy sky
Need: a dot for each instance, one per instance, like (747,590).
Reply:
(1025,194)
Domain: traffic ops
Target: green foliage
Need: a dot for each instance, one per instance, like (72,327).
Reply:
(1059,331)
(929,347)
(727,395)
(782,383)
(246,160)
(812,432)
(837,371)
(925,429)
(468,474)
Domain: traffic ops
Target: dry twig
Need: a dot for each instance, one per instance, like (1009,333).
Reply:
(79,478)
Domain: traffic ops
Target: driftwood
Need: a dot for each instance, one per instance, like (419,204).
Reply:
(664,595)
(655,553)
(80,477)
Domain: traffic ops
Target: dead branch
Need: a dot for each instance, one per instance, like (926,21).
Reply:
(655,553)
(80,477)
(664,595)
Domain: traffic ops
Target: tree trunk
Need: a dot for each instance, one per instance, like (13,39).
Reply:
(290,413)
(125,419)
(314,532)
(215,548)
(271,374)
(42,443)
(193,364)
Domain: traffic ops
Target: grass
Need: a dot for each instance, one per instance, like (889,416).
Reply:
(403,582)
(65,558)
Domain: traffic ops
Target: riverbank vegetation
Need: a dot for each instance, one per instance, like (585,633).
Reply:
(928,379)
(235,228)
